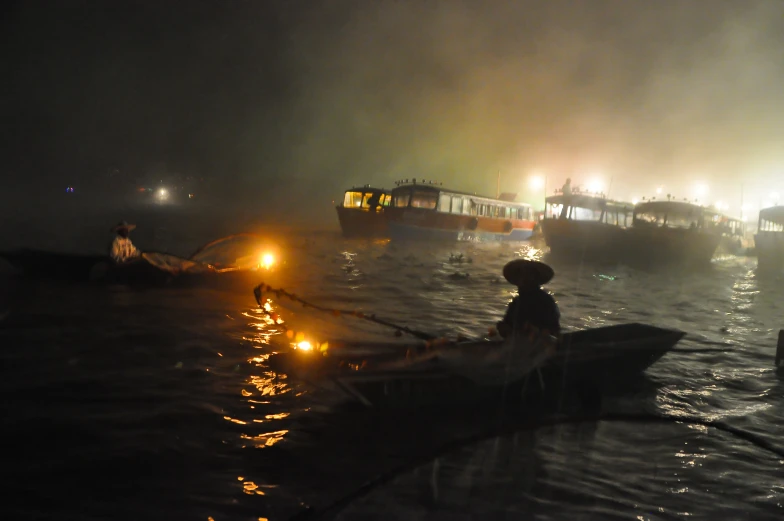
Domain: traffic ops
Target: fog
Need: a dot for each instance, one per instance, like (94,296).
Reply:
(285,104)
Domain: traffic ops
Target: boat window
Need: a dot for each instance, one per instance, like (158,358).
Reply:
(400,200)
(352,199)
(426,200)
(457,205)
(466,206)
(366,200)
(444,203)
(385,199)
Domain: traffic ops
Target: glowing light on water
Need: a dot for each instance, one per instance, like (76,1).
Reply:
(305,346)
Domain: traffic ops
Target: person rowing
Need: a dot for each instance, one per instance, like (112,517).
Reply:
(532,306)
(122,249)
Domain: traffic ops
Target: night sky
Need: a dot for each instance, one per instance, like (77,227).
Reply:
(634,93)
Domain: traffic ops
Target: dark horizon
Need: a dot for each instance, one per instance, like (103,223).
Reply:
(309,98)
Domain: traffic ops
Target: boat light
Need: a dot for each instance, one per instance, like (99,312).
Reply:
(163,193)
(267,260)
(305,346)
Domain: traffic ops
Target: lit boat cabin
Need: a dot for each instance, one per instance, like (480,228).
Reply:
(366,198)
(771,220)
(433,197)
(588,207)
(673,214)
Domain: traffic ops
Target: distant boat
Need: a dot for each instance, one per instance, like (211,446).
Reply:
(585,226)
(671,232)
(362,212)
(734,239)
(769,240)
(427,211)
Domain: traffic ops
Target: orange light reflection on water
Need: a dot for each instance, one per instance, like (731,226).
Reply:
(267,439)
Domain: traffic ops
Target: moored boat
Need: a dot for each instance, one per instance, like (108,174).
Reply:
(427,211)
(362,212)
(671,233)
(373,374)
(769,239)
(585,226)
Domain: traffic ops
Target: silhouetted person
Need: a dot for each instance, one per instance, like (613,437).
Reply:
(566,189)
(533,306)
(122,249)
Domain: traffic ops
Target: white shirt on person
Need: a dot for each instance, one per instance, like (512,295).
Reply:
(123,250)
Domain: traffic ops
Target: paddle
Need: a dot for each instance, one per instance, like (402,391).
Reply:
(258,290)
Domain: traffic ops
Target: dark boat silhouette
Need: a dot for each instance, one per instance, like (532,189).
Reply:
(591,360)
(216,262)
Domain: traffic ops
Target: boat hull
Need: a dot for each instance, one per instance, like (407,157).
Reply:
(100,269)
(586,361)
(429,225)
(769,247)
(583,240)
(359,222)
(639,246)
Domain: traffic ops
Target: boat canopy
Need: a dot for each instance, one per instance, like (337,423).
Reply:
(772,219)
(443,200)
(673,214)
(588,207)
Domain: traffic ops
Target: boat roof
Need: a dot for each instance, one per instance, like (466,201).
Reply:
(674,207)
(367,188)
(589,201)
(774,214)
(438,188)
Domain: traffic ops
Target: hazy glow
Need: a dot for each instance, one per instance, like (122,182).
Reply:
(267,260)
(305,346)
(163,193)
(659,190)
(774,196)
(701,189)
(635,201)
(536,182)
(595,186)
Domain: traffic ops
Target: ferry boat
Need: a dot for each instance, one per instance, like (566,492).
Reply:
(362,212)
(585,226)
(734,240)
(426,210)
(671,232)
(769,240)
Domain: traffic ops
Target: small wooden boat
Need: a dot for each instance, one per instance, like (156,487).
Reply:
(219,262)
(362,212)
(769,240)
(376,375)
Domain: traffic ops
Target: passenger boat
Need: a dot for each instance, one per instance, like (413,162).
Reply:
(427,211)
(734,240)
(769,239)
(362,212)
(585,226)
(372,374)
(671,232)
(236,258)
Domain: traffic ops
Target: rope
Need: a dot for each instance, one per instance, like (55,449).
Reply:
(335,508)
(280,292)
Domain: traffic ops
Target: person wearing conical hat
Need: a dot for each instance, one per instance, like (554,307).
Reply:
(532,306)
(122,249)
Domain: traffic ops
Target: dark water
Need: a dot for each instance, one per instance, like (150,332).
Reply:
(125,404)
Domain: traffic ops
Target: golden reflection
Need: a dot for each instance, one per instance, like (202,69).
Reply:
(269,385)
(279,416)
(251,488)
(305,346)
(246,393)
(234,420)
(265,440)
(266,260)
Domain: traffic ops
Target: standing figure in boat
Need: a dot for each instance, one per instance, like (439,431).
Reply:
(566,189)
(532,306)
(122,249)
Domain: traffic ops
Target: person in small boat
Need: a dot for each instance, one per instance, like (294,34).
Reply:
(533,306)
(122,249)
